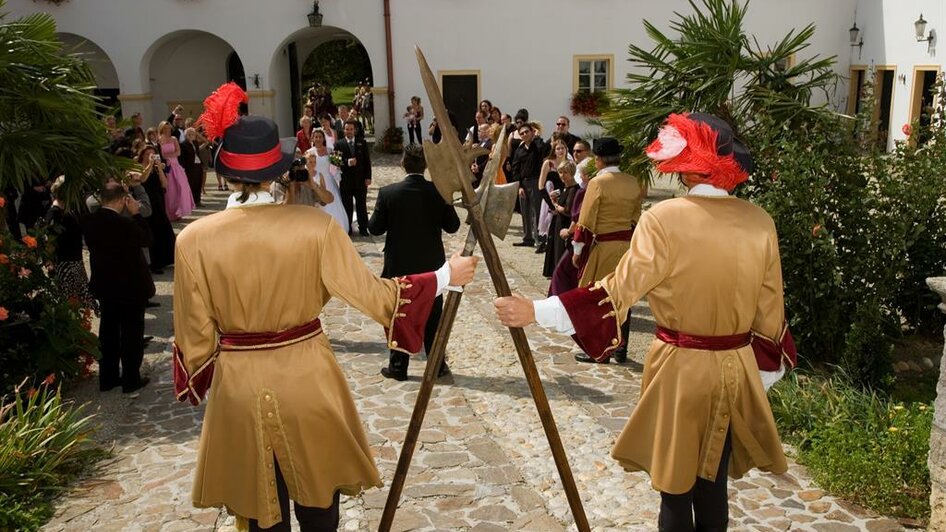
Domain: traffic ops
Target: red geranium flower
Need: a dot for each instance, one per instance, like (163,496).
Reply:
(50,379)
(4,259)
(30,242)
(3,201)
(4,314)
(907,129)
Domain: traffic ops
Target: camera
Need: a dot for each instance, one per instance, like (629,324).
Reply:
(298,171)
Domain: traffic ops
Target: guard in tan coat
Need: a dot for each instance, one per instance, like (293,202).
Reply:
(709,266)
(249,285)
(609,211)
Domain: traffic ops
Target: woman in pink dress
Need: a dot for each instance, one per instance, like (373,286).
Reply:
(178,201)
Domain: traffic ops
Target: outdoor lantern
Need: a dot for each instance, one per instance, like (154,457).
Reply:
(855,33)
(315,18)
(920,26)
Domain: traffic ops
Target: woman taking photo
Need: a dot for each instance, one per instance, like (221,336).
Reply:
(155,183)
(178,200)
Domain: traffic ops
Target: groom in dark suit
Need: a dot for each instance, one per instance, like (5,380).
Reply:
(413,214)
(356,176)
(121,281)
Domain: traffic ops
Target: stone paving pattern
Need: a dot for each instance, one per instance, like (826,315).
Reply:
(482,462)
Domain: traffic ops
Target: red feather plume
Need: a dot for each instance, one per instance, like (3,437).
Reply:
(700,156)
(222,110)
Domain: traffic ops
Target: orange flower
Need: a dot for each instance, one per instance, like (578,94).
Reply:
(4,259)
(31,393)
(816,230)
(3,201)
(30,242)
(4,314)
(50,379)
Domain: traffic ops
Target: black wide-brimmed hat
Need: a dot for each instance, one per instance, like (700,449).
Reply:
(726,141)
(251,151)
(607,146)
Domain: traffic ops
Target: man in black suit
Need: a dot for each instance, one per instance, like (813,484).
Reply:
(122,283)
(356,175)
(413,214)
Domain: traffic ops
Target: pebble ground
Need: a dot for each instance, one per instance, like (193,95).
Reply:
(482,463)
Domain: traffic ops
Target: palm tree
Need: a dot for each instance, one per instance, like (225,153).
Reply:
(712,66)
(48,121)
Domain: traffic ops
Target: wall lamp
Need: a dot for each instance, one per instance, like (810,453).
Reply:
(921,35)
(256,81)
(856,39)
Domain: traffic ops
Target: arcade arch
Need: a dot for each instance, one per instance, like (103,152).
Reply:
(106,76)
(184,67)
(287,65)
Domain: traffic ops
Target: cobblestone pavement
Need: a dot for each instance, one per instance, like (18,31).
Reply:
(482,463)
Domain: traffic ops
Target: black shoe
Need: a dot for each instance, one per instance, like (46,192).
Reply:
(524,243)
(389,373)
(540,249)
(152,304)
(444,371)
(363,233)
(142,382)
(582,357)
(620,356)
(147,340)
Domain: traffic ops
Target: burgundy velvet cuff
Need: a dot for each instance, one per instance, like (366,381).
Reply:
(597,328)
(770,354)
(194,387)
(415,299)
(582,235)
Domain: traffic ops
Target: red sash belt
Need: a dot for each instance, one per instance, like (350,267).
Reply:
(622,236)
(707,343)
(269,340)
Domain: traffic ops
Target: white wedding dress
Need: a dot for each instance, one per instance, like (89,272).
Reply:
(332,179)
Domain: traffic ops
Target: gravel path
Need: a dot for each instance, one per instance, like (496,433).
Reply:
(482,463)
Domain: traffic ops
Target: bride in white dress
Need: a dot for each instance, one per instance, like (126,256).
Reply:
(331,175)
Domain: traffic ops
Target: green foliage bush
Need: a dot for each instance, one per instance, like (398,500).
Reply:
(44,445)
(42,332)
(858,445)
(392,141)
(859,229)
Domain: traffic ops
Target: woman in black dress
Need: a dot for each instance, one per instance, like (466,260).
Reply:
(155,183)
(63,225)
(558,239)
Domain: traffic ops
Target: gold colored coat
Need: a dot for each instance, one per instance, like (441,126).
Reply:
(710,267)
(612,203)
(262,268)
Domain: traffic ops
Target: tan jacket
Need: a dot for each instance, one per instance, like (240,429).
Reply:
(709,266)
(612,203)
(266,268)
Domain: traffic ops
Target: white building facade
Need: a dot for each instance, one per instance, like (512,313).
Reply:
(527,54)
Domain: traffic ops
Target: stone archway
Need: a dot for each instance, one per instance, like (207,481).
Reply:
(184,67)
(107,87)
(289,60)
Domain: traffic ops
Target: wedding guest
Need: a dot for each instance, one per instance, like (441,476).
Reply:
(192,166)
(179,201)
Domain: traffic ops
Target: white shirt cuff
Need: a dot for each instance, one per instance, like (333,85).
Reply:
(443,280)
(577,247)
(769,378)
(551,314)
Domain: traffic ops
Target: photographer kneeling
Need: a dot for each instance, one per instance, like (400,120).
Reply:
(302,185)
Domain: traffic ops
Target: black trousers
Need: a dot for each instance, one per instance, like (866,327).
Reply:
(529,209)
(310,519)
(399,361)
(414,129)
(707,503)
(355,196)
(121,330)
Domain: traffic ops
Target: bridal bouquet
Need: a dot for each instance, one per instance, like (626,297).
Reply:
(335,158)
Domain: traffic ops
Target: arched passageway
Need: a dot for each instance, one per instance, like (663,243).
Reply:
(106,77)
(184,67)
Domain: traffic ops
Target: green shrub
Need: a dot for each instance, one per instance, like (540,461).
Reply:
(392,141)
(44,445)
(42,332)
(858,445)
